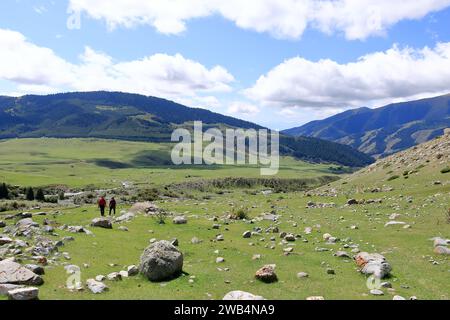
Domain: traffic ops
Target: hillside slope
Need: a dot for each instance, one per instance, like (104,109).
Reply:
(383,131)
(114,115)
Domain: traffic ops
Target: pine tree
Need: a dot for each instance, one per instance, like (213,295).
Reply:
(4,193)
(40,195)
(30,194)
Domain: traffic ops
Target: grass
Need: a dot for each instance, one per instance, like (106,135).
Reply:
(106,163)
(420,203)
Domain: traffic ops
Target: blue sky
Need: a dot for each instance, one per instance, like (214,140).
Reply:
(280,68)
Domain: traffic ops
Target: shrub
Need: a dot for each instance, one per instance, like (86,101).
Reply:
(40,195)
(445,170)
(393,178)
(240,214)
(4,193)
(30,194)
(160,216)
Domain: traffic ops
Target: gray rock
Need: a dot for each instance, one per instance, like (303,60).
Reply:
(35,268)
(220,260)
(179,220)
(161,261)
(289,237)
(342,254)
(175,242)
(376,292)
(114,276)
(373,264)
(14,273)
(132,270)
(302,275)
(100,278)
(398,298)
(267,274)
(24,294)
(395,223)
(101,223)
(2,224)
(96,287)
(123,228)
(247,235)
(5,288)
(442,250)
(241,295)
(5,240)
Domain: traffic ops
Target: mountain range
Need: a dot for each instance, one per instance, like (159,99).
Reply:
(116,115)
(383,131)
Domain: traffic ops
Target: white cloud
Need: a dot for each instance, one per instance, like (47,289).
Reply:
(37,69)
(242,108)
(394,75)
(357,19)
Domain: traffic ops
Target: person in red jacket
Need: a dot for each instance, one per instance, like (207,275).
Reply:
(102,205)
(112,206)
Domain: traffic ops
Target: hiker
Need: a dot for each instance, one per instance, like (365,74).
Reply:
(112,206)
(102,205)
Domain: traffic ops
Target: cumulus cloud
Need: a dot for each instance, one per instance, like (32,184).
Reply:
(394,75)
(242,108)
(37,69)
(357,19)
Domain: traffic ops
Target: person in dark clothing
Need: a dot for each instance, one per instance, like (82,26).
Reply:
(102,205)
(112,206)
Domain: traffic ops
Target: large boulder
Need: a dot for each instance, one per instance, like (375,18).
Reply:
(179,220)
(144,207)
(101,223)
(241,295)
(5,288)
(161,261)
(96,287)
(442,250)
(14,273)
(267,274)
(23,294)
(373,264)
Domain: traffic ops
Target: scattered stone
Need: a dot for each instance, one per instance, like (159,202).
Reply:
(4,288)
(256,257)
(161,261)
(442,250)
(101,223)
(195,240)
(302,275)
(114,276)
(132,270)
(14,273)
(2,224)
(342,254)
(395,223)
(220,237)
(5,240)
(123,228)
(289,237)
(220,260)
(179,220)
(124,274)
(175,242)
(35,268)
(315,298)
(100,278)
(351,202)
(376,292)
(373,264)
(241,295)
(24,294)
(95,286)
(398,298)
(247,234)
(267,274)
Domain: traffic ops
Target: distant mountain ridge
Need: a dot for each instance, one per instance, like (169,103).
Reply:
(116,115)
(383,131)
